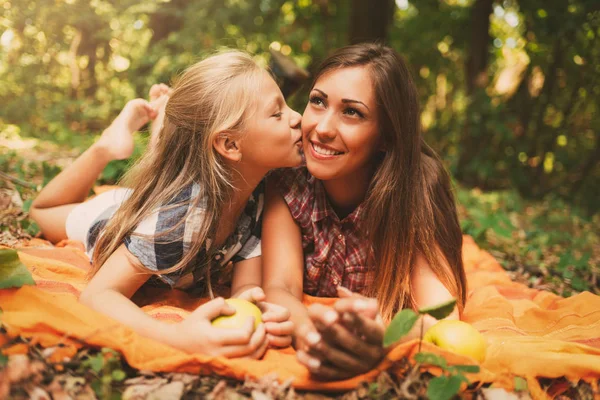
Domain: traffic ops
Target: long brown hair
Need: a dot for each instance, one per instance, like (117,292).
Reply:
(410,209)
(212,96)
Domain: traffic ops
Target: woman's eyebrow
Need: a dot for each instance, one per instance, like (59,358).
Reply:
(322,92)
(354,101)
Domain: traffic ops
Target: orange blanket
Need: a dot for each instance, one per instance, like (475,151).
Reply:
(530,333)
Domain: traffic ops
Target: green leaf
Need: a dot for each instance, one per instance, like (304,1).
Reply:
(472,369)
(3,359)
(400,326)
(118,375)
(520,384)
(440,311)
(431,359)
(13,273)
(97,363)
(443,387)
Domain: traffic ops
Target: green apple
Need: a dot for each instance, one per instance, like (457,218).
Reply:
(458,337)
(243,310)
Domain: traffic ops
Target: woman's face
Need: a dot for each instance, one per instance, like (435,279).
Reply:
(339,126)
(273,138)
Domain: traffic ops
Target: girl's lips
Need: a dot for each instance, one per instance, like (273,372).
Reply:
(319,156)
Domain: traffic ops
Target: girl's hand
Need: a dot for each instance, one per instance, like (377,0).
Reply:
(195,334)
(276,318)
(136,113)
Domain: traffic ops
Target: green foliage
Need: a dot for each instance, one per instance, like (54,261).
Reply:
(400,325)
(13,273)
(448,384)
(439,311)
(443,387)
(520,384)
(547,238)
(107,370)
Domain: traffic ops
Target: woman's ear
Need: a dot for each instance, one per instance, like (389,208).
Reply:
(227,146)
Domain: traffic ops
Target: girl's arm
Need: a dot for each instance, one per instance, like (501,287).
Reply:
(110,290)
(246,284)
(283,261)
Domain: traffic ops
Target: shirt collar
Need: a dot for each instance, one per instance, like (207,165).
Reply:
(322,208)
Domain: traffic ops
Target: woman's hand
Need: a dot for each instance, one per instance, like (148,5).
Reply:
(346,339)
(276,318)
(195,334)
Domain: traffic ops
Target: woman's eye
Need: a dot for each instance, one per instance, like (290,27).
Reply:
(277,115)
(316,100)
(353,112)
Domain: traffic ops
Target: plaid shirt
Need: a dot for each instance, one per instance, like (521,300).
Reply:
(166,250)
(335,251)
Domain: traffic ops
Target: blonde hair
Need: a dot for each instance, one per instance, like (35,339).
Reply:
(212,96)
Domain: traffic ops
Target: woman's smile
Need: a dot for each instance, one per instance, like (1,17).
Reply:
(324,152)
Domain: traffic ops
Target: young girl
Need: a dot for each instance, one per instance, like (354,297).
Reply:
(372,213)
(194,206)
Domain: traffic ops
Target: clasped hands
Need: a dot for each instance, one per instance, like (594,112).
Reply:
(341,341)
(198,335)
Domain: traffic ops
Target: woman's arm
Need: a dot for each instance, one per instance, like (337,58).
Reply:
(283,260)
(110,290)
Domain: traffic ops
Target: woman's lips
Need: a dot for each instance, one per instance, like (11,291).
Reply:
(322,152)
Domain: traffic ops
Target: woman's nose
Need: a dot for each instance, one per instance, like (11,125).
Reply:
(326,126)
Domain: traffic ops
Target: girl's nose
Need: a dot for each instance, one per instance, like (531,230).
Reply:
(295,120)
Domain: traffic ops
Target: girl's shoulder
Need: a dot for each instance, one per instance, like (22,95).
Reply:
(292,180)
(297,187)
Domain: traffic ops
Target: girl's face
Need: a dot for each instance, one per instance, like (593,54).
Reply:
(339,125)
(273,138)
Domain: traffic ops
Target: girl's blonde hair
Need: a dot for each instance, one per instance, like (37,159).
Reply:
(212,96)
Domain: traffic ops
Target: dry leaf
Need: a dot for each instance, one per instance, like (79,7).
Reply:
(170,391)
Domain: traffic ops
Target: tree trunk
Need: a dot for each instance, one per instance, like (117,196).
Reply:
(477,61)
(168,18)
(476,77)
(370,21)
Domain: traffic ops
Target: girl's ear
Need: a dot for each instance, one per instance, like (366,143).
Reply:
(227,146)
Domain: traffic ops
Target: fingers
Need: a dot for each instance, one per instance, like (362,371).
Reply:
(254,295)
(252,348)
(212,309)
(279,341)
(273,312)
(360,305)
(370,330)
(325,320)
(320,370)
(234,337)
(344,292)
(280,328)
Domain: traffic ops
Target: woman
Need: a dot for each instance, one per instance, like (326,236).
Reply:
(372,213)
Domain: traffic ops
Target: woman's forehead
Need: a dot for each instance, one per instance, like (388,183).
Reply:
(349,82)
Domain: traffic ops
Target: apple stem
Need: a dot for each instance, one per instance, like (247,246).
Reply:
(421,335)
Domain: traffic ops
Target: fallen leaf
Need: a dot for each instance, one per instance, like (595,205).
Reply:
(170,391)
